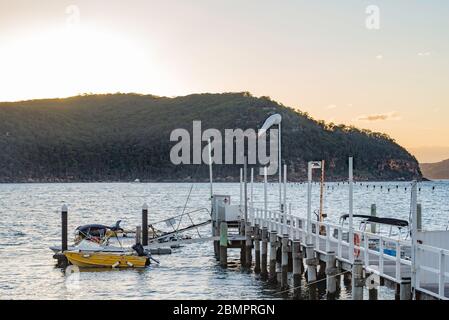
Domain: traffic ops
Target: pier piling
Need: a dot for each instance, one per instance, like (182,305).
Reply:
(257,268)
(64,215)
(331,273)
(224,244)
(290,258)
(297,263)
(273,245)
(61,259)
(405,290)
(357,280)
(264,271)
(321,270)
(138,234)
(373,294)
(284,262)
(145,224)
(248,245)
(311,263)
(243,244)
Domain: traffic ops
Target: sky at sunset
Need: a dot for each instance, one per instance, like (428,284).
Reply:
(337,60)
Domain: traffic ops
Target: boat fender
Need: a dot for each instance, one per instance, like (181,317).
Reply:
(129,264)
(115,265)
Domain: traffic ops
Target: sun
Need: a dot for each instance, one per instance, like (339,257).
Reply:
(74,60)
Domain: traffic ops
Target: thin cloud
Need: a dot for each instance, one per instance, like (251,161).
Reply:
(331,106)
(380,117)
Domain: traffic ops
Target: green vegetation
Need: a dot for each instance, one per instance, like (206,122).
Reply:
(121,137)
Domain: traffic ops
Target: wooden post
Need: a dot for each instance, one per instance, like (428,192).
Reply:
(257,268)
(331,272)
(248,245)
(64,219)
(138,234)
(224,244)
(297,263)
(405,290)
(373,214)
(284,263)
(311,263)
(273,245)
(264,271)
(357,280)
(145,224)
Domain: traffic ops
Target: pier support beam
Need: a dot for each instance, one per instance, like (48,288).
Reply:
(284,262)
(145,224)
(405,290)
(311,263)
(331,273)
(264,271)
(357,280)
(297,263)
(257,237)
(273,245)
(224,244)
(248,246)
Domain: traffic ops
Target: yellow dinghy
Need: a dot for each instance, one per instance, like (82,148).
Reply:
(106,259)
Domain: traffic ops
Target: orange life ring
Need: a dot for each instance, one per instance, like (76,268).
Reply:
(356,243)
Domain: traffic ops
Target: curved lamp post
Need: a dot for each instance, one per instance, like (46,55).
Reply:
(273,120)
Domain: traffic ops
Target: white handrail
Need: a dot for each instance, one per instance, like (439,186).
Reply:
(297,228)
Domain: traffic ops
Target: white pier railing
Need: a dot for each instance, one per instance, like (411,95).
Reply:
(387,257)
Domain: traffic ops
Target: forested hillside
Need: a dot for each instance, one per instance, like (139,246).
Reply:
(121,137)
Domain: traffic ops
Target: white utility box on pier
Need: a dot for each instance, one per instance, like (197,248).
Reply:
(224,211)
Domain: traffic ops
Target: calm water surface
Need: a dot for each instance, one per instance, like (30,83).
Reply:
(30,223)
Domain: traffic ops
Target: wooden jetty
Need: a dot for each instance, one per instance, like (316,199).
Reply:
(327,251)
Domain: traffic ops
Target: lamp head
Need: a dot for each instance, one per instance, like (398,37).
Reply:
(275,119)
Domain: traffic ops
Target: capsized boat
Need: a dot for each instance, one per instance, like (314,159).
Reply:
(138,258)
